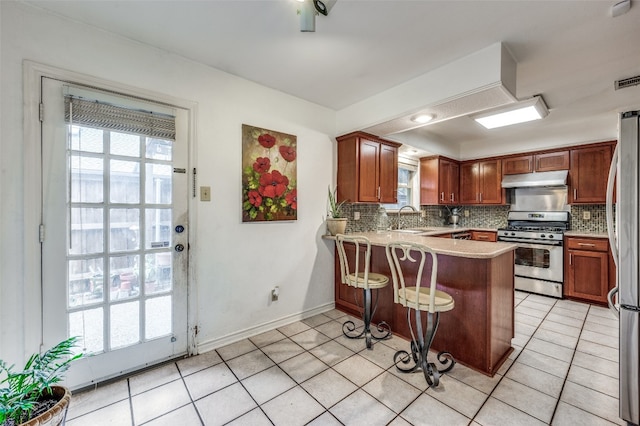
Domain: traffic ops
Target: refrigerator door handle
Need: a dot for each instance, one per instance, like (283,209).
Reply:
(610,228)
(611,303)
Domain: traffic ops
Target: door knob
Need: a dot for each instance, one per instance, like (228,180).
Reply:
(179,247)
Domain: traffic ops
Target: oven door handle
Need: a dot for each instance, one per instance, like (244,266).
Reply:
(530,243)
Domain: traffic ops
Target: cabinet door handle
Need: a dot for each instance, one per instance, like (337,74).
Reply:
(570,258)
(452,197)
(442,196)
(482,237)
(586,245)
(575,193)
(378,193)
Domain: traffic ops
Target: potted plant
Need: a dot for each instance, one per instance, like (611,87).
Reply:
(336,224)
(31,397)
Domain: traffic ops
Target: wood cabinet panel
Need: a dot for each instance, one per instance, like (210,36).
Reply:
(367,169)
(588,174)
(536,162)
(489,236)
(480,182)
(439,181)
(469,183)
(588,269)
(388,174)
(517,165)
(551,161)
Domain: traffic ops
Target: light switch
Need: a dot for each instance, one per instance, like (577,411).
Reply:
(205,193)
(586,215)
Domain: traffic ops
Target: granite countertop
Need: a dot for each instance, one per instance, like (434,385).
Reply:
(586,234)
(446,246)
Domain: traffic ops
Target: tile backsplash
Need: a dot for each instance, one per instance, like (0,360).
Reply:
(492,217)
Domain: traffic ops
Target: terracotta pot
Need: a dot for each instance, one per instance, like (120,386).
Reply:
(336,225)
(57,414)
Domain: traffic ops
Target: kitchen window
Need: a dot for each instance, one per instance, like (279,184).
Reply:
(407,185)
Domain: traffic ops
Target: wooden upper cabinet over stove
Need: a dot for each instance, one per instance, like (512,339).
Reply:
(367,169)
(540,162)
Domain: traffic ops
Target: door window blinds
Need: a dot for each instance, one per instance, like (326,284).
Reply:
(104,115)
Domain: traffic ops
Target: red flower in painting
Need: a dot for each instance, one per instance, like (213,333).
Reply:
(287,152)
(254,198)
(267,140)
(273,184)
(292,199)
(262,165)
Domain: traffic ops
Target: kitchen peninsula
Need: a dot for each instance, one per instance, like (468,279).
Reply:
(480,278)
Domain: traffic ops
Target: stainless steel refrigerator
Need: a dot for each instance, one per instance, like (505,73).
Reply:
(624,244)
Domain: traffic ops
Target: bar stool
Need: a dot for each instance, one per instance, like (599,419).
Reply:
(356,274)
(407,263)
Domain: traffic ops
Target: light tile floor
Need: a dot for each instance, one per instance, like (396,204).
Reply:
(564,371)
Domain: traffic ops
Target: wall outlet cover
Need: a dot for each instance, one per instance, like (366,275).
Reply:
(586,215)
(356,215)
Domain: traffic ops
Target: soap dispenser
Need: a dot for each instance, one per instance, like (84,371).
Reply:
(383,220)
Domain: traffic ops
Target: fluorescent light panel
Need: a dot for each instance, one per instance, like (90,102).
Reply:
(532,109)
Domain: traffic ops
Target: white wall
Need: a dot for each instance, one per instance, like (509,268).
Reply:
(236,264)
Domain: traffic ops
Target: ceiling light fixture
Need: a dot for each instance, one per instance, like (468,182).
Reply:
(422,118)
(521,112)
(309,10)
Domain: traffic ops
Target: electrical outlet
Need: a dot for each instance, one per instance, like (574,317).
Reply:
(423,213)
(205,193)
(440,213)
(466,213)
(275,293)
(356,215)
(586,215)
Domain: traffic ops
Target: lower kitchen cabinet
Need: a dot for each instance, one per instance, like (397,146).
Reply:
(589,272)
(488,236)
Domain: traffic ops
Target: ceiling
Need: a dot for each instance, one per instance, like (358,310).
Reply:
(568,51)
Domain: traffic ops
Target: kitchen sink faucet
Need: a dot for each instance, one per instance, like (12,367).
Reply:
(402,208)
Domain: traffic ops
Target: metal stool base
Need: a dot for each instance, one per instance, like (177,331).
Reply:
(382,328)
(417,359)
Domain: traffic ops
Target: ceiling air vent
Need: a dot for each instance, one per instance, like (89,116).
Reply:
(627,82)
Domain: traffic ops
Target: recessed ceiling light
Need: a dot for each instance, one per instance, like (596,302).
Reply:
(529,110)
(422,118)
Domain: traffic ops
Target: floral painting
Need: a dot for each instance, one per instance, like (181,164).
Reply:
(269,171)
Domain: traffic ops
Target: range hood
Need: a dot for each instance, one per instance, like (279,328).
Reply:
(534,180)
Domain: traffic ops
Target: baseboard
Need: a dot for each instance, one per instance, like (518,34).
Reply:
(253,331)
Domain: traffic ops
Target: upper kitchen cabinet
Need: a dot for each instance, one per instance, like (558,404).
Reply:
(439,181)
(367,169)
(589,173)
(480,182)
(540,162)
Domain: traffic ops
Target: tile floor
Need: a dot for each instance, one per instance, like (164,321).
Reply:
(564,371)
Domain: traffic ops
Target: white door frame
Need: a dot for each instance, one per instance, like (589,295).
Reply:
(32,268)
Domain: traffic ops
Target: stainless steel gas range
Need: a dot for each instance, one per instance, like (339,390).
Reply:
(539,255)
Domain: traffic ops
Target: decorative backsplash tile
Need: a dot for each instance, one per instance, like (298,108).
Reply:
(597,221)
(492,217)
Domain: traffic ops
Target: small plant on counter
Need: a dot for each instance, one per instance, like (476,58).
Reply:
(334,207)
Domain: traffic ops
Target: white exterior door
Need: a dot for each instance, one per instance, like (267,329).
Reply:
(114,240)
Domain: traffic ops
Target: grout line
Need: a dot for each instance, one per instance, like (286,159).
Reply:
(130,402)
